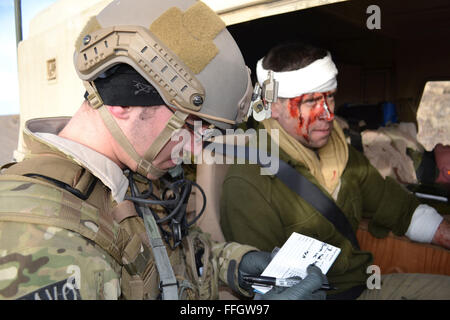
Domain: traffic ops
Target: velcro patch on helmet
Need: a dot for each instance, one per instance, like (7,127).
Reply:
(90,26)
(190,34)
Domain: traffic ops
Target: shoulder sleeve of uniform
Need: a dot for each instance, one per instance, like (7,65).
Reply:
(228,256)
(39,262)
(249,214)
(388,204)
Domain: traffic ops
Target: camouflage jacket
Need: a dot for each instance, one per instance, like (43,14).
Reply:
(55,245)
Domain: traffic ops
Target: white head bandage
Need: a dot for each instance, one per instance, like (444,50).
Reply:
(319,76)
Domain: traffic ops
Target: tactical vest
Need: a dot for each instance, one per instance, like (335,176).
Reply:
(76,196)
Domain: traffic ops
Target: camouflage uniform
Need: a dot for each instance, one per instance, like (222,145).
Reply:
(55,245)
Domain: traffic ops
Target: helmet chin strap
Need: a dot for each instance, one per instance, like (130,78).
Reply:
(144,164)
(176,121)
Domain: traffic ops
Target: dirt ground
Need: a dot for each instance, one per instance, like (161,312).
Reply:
(9,136)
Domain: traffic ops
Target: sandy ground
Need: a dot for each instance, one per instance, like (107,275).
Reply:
(9,136)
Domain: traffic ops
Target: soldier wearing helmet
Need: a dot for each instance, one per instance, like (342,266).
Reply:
(95,210)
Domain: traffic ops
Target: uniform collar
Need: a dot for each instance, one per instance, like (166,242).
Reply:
(45,131)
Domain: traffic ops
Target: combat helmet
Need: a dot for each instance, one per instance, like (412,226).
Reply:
(180,47)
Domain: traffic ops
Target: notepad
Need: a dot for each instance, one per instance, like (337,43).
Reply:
(297,253)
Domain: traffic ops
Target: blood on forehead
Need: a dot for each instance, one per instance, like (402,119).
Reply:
(318,111)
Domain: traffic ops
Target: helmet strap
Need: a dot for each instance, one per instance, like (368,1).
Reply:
(176,121)
(145,166)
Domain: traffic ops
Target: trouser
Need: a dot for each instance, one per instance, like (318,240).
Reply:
(410,286)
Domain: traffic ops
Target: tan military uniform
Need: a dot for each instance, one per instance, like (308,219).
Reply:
(67,233)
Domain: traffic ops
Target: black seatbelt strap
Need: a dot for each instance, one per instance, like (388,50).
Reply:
(316,198)
(295,181)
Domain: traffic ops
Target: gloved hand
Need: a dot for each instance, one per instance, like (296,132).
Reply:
(253,262)
(307,289)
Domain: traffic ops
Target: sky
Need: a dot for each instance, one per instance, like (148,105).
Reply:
(9,82)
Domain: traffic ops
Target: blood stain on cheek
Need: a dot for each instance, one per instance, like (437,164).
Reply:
(294,111)
(294,107)
(304,121)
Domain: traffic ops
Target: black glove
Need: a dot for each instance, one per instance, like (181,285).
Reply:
(307,289)
(253,262)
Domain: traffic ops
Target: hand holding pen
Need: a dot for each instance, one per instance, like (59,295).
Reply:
(280,282)
(312,287)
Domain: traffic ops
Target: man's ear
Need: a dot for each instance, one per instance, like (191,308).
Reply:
(120,112)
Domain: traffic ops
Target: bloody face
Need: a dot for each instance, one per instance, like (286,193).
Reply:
(309,118)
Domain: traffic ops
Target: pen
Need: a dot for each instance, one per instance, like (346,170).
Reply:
(280,282)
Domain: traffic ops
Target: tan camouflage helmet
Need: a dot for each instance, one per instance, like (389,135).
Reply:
(182,48)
